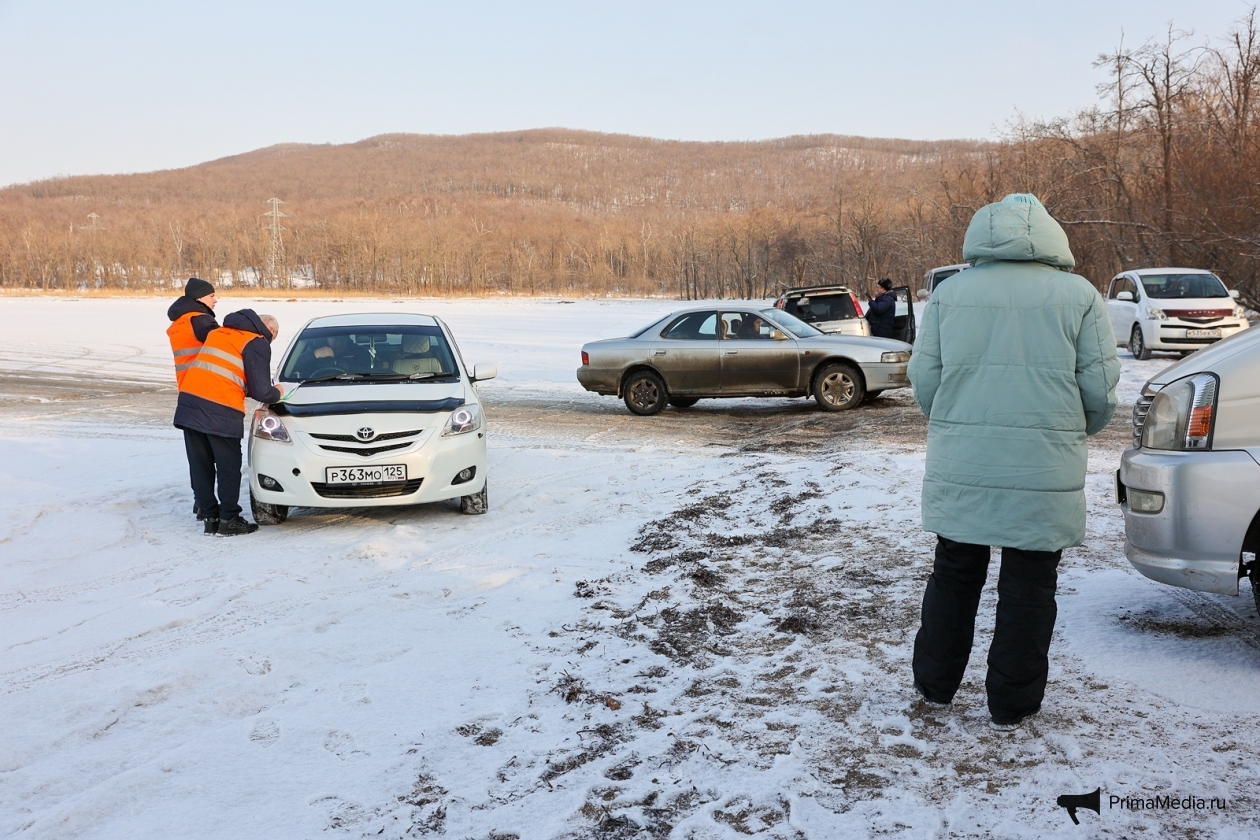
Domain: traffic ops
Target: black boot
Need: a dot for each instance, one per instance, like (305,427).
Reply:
(233,527)
(212,527)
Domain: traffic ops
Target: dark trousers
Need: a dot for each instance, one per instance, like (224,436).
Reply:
(1019,655)
(211,456)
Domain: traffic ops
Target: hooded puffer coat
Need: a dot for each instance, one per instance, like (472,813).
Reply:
(1014,365)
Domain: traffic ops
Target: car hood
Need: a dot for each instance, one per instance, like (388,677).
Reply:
(882,345)
(365,398)
(1206,358)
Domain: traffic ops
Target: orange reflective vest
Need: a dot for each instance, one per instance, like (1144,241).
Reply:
(184,344)
(218,371)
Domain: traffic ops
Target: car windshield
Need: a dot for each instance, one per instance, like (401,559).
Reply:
(832,306)
(1173,286)
(642,330)
(791,323)
(362,353)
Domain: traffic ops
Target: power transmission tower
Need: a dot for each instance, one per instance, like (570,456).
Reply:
(275,249)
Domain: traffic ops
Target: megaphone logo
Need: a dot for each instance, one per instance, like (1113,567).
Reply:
(1072,801)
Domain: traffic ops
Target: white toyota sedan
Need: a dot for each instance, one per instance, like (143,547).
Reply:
(377,410)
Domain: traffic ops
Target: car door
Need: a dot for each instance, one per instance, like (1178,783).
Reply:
(757,358)
(686,354)
(905,328)
(1123,312)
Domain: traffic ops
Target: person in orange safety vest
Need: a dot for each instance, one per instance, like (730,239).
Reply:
(192,319)
(234,363)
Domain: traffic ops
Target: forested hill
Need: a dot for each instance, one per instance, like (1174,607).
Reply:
(548,210)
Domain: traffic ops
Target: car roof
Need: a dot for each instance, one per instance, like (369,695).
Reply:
(1141,271)
(375,319)
(813,290)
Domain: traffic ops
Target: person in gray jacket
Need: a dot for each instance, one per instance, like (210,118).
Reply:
(1014,365)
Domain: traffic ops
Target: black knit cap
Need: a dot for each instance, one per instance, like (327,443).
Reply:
(196,288)
(884,284)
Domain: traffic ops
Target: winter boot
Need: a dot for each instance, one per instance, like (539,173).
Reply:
(235,526)
(212,527)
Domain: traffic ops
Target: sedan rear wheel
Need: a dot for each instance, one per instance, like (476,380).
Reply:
(1137,344)
(838,387)
(645,393)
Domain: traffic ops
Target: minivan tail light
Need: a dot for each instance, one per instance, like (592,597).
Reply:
(586,358)
(857,307)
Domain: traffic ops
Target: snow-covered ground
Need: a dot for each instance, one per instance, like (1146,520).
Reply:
(696,625)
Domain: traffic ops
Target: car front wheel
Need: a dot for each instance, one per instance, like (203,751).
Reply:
(476,504)
(838,387)
(1137,344)
(645,393)
(266,514)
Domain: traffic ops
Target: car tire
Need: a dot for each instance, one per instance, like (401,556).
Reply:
(872,395)
(1137,344)
(645,393)
(838,387)
(476,504)
(267,514)
(1253,574)
(683,402)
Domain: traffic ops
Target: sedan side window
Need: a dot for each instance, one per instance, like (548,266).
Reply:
(744,325)
(694,326)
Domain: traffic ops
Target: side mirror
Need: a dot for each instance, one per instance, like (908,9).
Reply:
(1234,294)
(778,335)
(1125,295)
(482,372)
(922,294)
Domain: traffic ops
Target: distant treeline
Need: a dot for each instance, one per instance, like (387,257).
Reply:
(1163,170)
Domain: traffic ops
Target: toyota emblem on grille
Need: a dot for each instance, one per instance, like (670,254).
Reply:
(366,433)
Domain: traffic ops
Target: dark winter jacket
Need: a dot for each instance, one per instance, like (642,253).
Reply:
(881,314)
(202,323)
(201,415)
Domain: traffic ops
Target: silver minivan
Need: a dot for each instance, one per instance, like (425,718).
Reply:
(1190,484)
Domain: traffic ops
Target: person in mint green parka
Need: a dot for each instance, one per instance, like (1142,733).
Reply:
(1014,365)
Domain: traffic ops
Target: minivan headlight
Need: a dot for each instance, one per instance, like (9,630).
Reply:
(1180,416)
(465,419)
(268,426)
(1156,314)
(895,358)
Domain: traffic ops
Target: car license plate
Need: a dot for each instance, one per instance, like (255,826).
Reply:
(366,475)
(1203,333)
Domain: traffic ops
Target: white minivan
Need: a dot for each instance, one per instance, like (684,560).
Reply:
(377,410)
(1176,309)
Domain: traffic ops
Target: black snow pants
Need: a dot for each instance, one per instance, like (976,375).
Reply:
(211,456)
(1019,655)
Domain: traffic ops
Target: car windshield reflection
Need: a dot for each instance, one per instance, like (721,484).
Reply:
(359,354)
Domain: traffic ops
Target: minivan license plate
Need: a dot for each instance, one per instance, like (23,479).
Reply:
(1203,333)
(366,475)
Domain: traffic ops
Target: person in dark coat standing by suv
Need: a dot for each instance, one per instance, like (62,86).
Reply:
(881,313)
(1015,365)
(235,362)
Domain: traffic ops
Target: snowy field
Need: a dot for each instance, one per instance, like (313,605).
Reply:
(696,625)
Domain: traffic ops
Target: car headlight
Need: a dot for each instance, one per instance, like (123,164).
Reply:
(465,419)
(268,426)
(895,358)
(1156,314)
(1180,416)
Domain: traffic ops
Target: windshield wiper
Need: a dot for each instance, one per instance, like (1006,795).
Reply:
(377,377)
(345,377)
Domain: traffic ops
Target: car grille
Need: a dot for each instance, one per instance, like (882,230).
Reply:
(377,439)
(367,451)
(1140,408)
(367,448)
(367,491)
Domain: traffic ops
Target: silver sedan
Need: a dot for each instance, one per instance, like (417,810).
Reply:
(740,351)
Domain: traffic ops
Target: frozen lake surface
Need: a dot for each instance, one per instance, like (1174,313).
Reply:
(695,625)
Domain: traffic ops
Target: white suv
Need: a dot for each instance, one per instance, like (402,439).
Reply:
(378,410)
(1179,309)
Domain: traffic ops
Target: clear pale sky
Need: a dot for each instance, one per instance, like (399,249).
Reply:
(137,85)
